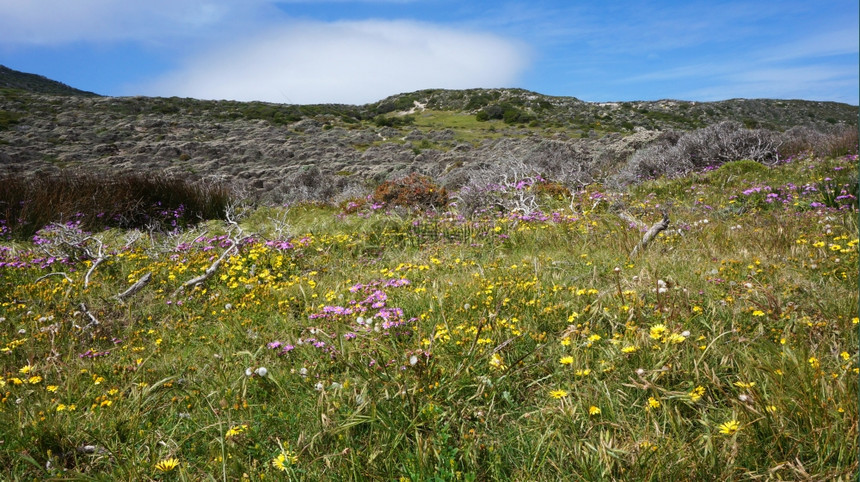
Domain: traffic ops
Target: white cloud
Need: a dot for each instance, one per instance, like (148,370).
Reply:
(346,62)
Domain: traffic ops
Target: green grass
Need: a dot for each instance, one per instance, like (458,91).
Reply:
(526,349)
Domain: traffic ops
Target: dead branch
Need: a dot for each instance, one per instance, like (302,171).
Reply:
(206,274)
(100,258)
(137,286)
(651,234)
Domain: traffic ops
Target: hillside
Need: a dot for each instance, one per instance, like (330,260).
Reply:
(13,79)
(263,148)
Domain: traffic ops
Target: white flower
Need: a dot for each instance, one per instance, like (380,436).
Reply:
(303,371)
(249,372)
(640,371)
(262,371)
(318,387)
(413,360)
(685,333)
(743,397)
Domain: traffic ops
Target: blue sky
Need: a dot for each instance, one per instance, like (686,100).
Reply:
(342,51)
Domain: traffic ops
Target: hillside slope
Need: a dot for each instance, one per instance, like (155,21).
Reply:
(446,134)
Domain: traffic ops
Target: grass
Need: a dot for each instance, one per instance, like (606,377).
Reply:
(513,347)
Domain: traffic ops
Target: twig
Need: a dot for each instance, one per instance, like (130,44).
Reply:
(651,234)
(93,320)
(59,273)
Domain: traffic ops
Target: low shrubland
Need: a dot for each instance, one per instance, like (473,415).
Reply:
(377,343)
(678,153)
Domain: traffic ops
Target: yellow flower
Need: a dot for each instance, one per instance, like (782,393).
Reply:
(653,402)
(594,337)
(845,355)
(284,460)
(558,394)
(814,363)
(566,360)
(25,369)
(582,373)
(280,462)
(657,331)
(697,393)
(238,429)
(51,388)
(758,313)
(34,379)
(497,362)
(729,427)
(676,338)
(740,384)
(628,349)
(565,342)
(592,410)
(61,407)
(167,465)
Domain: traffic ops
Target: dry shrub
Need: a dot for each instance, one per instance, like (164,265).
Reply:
(412,191)
(552,189)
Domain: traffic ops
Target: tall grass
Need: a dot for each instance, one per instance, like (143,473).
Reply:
(97,201)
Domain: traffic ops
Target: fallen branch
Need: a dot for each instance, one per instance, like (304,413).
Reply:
(206,274)
(651,234)
(137,286)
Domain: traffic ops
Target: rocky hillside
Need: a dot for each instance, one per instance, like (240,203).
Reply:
(446,134)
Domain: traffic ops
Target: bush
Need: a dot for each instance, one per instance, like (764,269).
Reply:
(413,191)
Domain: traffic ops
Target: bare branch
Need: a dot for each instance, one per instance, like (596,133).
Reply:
(86,311)
(137,286)
(653,232)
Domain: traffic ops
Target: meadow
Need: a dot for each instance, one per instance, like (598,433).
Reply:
(379,343)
